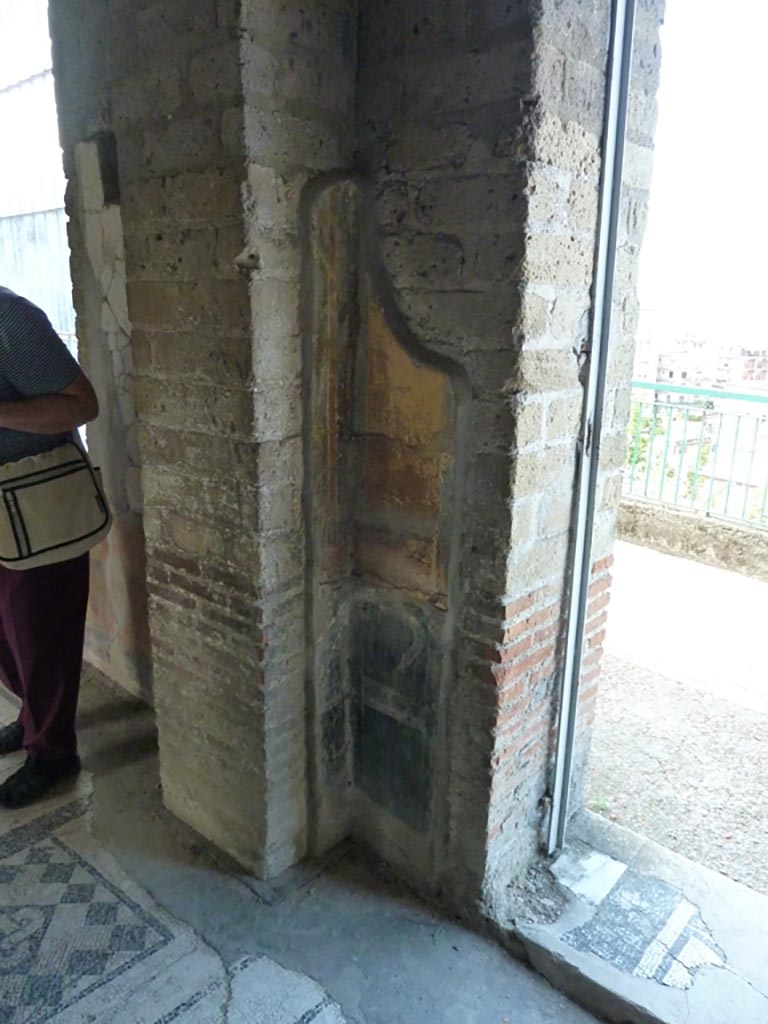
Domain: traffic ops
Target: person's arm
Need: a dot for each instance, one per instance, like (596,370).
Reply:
(67,410)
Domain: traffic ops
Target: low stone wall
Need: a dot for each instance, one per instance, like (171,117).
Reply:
(712,541)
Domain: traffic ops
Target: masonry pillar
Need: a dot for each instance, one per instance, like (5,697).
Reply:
(481,127)
(358,247)
(163,79)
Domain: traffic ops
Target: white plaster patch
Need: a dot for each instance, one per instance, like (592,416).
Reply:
(590,877)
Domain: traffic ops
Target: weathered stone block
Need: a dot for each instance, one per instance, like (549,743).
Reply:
(461,80)
(189,355)
(544,469)
(570,315)
(214,74)
(151,92)
(169,30)
(467,321)
(208,196)
(428,146)
(317,26)
(544,370)
(547,195)
(276,409)
(418,258)
(183,144)
(493,258)
(563,416)
(583,89)
(582,205)
(569,144)
(528,412)
(178,406)
(543,563)
(449,203)
(559,259)
(284,141)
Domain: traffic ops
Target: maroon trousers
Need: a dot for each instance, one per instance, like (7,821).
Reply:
(42,628)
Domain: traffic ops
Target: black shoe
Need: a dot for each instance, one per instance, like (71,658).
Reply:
(11,738)
(35,778)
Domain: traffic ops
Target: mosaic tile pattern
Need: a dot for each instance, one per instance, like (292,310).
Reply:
(644,927)
(65,929)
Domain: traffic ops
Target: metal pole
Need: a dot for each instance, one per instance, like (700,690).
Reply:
(617,98)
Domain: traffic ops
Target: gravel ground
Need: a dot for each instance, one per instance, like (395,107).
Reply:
(684,767)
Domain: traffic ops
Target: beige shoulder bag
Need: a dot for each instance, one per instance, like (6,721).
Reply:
(52,508)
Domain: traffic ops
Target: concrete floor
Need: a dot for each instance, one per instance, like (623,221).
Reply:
(696,623)
(380,954)
(680,747)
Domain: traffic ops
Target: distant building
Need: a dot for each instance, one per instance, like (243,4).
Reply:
(688,362)
(696,361)
(743,369)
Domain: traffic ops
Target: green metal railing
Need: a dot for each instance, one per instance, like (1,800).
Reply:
(699,449)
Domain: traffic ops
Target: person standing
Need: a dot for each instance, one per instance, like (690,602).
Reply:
(44,397)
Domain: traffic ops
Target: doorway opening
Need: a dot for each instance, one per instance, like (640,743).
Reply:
(663,875)
(680,747)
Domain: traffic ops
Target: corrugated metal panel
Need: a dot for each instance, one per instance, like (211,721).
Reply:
(31,174)
(25,47)
(34,261)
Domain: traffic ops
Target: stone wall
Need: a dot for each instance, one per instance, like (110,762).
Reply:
(358,253)
(164,79)
(711,541)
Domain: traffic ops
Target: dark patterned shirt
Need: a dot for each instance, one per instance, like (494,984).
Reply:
(33,361)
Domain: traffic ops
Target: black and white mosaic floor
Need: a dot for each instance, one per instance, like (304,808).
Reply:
(80,943)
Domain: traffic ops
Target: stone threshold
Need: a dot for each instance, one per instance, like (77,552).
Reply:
(640,935)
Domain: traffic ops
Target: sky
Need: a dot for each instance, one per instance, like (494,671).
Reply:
(704,263)
(25,48)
